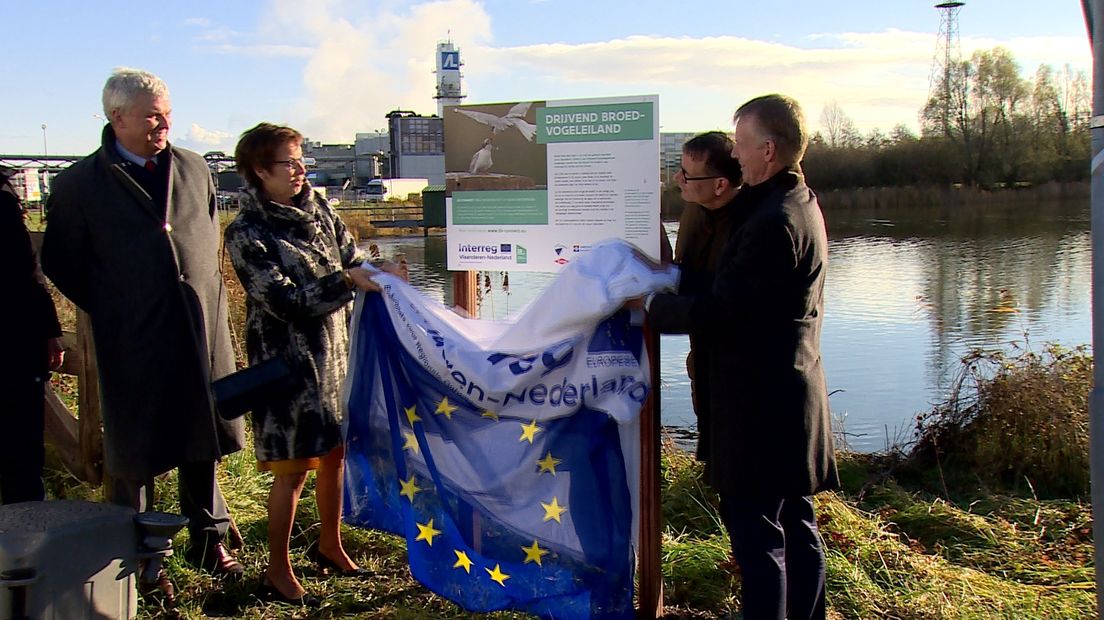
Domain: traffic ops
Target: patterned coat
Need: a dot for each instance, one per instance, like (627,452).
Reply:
(289,259)
(146,270)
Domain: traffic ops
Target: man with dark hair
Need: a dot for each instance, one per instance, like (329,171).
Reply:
(708,180)
(32,348)
(133,240)
(769,445)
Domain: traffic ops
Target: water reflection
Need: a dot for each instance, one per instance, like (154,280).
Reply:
(908,292)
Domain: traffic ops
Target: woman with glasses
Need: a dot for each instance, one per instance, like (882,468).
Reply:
(299,267)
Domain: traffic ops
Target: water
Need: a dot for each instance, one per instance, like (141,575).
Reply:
(908,292)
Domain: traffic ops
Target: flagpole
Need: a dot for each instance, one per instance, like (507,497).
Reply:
(650,600)
(1094,20)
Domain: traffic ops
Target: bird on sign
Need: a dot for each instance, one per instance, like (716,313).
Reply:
(515,118)
(481,161)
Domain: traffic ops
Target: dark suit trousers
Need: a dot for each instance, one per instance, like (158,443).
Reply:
(781,556)
(200,500)
(21,443)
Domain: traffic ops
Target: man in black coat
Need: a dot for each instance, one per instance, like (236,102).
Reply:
(132,238)
(768,447)
(708,181)
(32,341)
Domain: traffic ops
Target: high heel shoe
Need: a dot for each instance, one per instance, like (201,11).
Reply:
(315,555)
(269,592)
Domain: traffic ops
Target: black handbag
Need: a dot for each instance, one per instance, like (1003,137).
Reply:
(252,387)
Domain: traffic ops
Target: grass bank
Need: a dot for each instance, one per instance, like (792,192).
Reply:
(910,535)
(892,552)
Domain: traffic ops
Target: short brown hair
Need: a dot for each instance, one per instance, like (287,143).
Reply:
(257,147)
(714,148)
(781,118)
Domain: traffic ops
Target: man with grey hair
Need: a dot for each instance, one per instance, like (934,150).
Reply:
(769,448)
(133,239)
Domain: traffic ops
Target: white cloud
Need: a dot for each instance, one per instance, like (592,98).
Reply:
(362,61)
(701,80)
(362,64)
(879,79)
(202,22)
(1030,52)
(274,50)
(202,139)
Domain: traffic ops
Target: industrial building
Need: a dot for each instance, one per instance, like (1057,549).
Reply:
(414,144)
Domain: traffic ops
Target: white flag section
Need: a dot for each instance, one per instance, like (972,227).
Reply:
(514,444)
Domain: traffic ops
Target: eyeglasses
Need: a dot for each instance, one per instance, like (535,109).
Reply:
(687,177)
(291,163)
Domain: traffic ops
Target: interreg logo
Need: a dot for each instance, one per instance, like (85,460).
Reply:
(471,248)
(450,60)
(484,251)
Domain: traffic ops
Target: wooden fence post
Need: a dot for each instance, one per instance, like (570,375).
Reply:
(91,427)
(77,438)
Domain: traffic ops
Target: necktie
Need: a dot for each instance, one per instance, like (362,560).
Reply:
(151,165)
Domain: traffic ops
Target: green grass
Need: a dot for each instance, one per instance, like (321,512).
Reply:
(34,220)
(891,553)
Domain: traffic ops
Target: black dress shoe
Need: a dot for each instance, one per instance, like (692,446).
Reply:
(160,591)
(326,564)
(269,592)
(215,560)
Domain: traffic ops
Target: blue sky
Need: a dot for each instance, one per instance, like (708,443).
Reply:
(332,68)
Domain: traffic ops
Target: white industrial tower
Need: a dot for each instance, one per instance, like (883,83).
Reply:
(448,76)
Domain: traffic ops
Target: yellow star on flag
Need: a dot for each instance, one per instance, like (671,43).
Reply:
(445,408)
(412,414)
(490,414)
(534,553)
(529,431)
(548,464)
(410,488)
(497,575)
(411,442)
(553,510)
(462,560)
(426,532)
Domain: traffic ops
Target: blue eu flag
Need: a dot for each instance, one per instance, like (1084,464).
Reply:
(500,509)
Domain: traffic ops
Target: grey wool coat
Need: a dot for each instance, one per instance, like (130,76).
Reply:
(290,259)
(147,273)
(765,430)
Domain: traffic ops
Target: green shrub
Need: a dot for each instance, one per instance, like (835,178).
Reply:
(1013,423)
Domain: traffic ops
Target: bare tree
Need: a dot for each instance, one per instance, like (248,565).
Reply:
(839,130)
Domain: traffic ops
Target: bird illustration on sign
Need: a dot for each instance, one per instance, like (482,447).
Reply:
(481,161)
(515,118)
